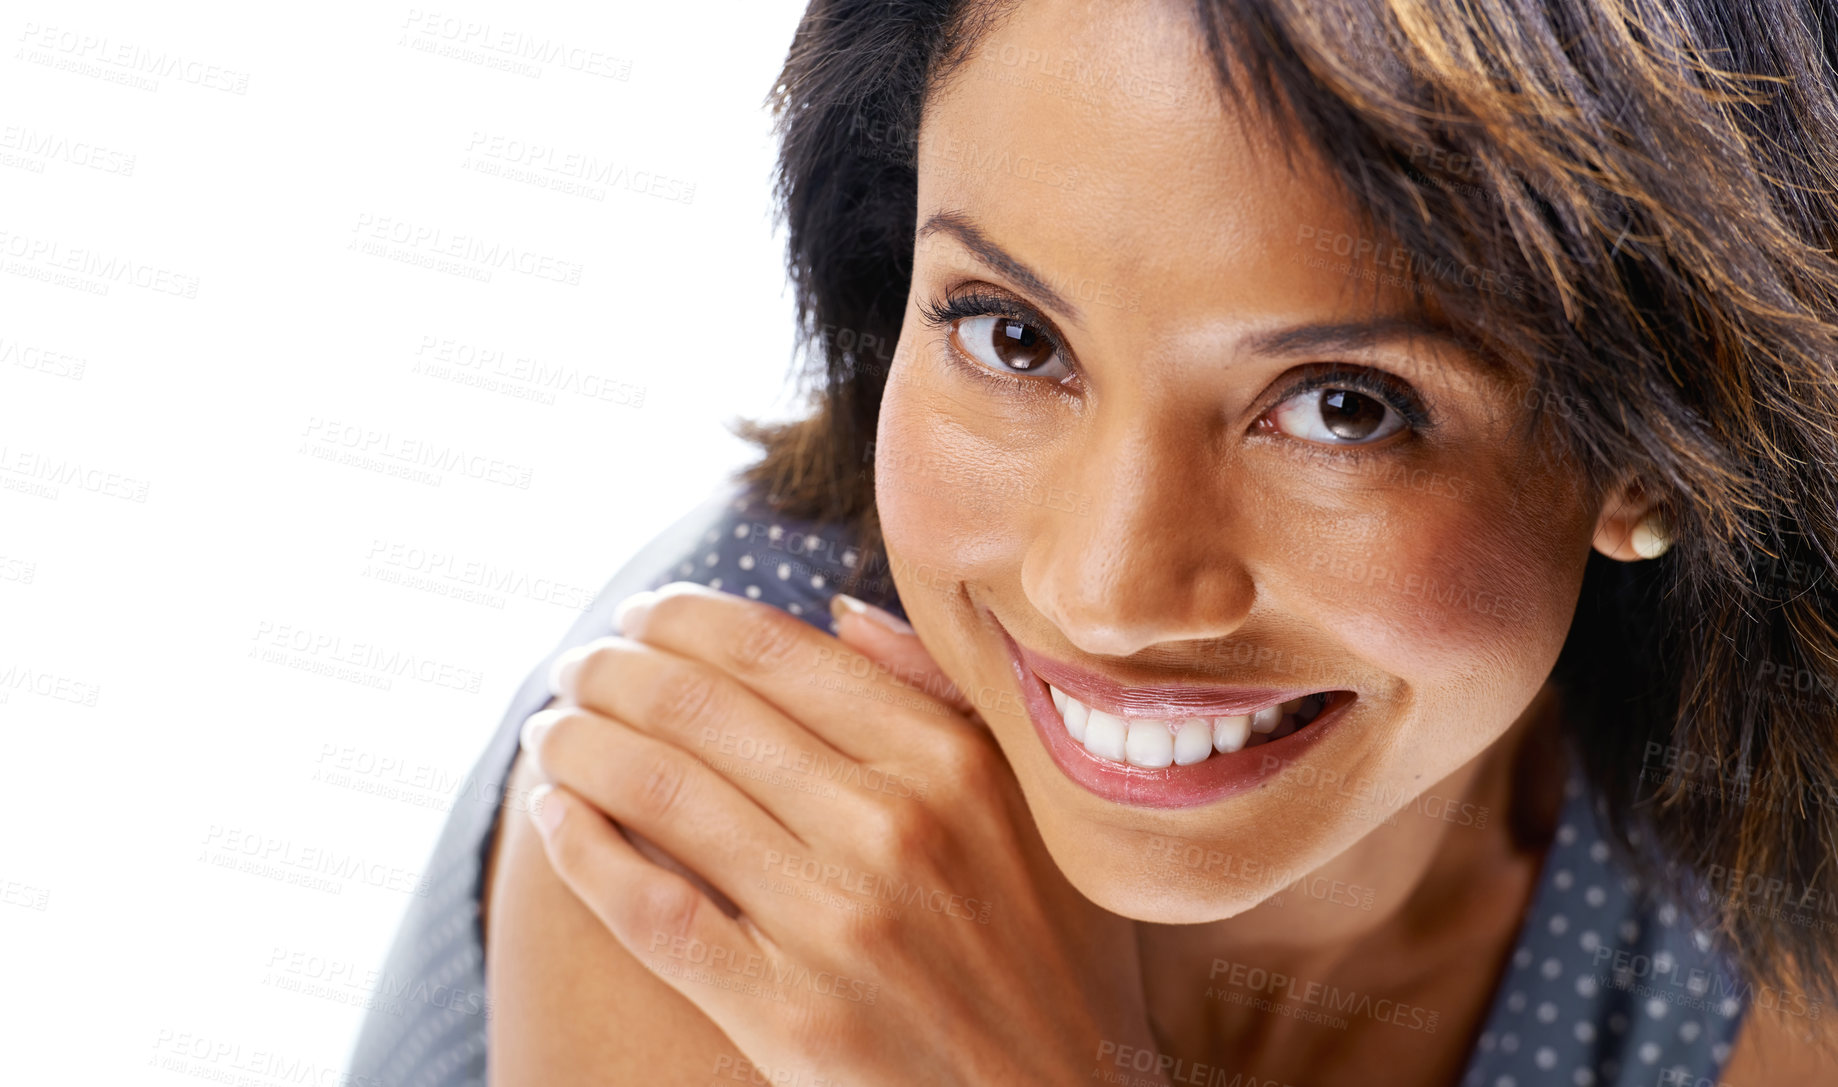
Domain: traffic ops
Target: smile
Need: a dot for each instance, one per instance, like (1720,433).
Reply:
(1168,746)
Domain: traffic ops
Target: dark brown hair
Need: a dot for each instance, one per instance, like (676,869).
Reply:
(1655,179)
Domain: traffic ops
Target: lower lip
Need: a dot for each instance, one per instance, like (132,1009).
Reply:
(1216,777)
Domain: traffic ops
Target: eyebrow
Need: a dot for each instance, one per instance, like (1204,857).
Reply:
(1300,339)
(998,258)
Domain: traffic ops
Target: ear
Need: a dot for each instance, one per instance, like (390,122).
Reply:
(1631,526)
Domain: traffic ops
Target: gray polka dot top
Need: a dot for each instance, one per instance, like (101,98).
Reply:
(1606,986)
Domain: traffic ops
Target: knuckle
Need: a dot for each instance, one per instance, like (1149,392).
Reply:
(683,697)
(666,909)
(662,788)
(900,832)
(764,640)
(965,764)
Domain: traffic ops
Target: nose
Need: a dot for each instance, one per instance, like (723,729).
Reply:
(1157,557)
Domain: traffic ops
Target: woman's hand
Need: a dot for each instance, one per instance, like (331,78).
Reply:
(899,920)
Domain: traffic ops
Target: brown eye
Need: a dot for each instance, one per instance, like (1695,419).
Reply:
(1009,345)
(1334,416)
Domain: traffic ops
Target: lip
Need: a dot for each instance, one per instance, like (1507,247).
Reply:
(1216,777)
(1103,693)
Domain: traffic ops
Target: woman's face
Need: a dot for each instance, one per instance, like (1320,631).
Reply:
(1158,432)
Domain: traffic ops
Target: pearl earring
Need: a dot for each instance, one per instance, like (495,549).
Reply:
(1650,537)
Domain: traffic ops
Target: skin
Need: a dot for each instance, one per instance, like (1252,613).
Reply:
(1185,520)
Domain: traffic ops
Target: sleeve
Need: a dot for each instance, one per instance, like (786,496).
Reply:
(425,1024)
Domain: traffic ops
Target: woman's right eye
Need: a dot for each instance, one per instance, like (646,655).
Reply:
(1009,345)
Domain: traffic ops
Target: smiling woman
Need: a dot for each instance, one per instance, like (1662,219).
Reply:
(1362,479)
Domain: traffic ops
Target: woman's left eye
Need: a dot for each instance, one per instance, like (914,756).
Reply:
(1335,416)
(1009,345)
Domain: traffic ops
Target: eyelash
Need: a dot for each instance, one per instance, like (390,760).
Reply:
(942,311)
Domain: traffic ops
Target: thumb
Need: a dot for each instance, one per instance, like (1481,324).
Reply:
(888,640)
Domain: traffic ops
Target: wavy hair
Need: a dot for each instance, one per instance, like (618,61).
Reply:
(1657,180)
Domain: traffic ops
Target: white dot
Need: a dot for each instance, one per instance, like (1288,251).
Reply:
(1729,1007)
(1547,1012)
(710,559)
(848,558)
(1552,969)
(1515,1002)
(774,532)
(1509,1042)
(1583,1077)
(1595,896)
(1598,852)
(686,569)
(1662,962)
(1566,834)
(1506,1081)
(740,532)
(715,583)
(1720,1052)
(753,591)
(1546,1057)
(1563,879)
(1589,941)
(1701,938)
(1649,1051)
(1586,985)
(1585,1031)
(1668,914)
(816,581)
(1689,1030)
(1522,958)
(746,562)
(784,570)
(712,535)
(795,608)
(1558,924)
(1630,931)
(1656,1008)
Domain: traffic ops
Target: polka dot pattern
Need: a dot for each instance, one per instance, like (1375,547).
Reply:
(1583,1000)
(1607,986)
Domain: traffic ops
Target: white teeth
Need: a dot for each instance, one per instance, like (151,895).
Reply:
(1160,742)
(1230,733)
(1150,744)
(1194,741)
(1106,736)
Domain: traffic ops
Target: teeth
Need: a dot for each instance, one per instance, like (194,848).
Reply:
(1194,741)
(1106,736)
(1156,742)
(1230,733)
(1149,743)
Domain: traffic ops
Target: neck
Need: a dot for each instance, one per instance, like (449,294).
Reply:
(1441,878)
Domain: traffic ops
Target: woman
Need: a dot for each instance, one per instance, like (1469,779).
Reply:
(1361,481)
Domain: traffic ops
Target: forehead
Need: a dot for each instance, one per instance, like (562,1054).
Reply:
(1092,143)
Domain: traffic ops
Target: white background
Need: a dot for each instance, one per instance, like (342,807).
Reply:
(176,550)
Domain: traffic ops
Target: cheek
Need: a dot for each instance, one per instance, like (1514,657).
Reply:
(1455,596)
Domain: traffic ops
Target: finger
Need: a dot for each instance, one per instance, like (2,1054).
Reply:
(661,918)
(773,758)
(828,687)
(657,789)
(888,639)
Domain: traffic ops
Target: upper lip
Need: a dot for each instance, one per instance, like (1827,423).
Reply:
(1101,692)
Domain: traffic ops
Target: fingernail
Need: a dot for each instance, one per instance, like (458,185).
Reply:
(561,673)
(546,809)
(843,604)
(534,727)
(632,609)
